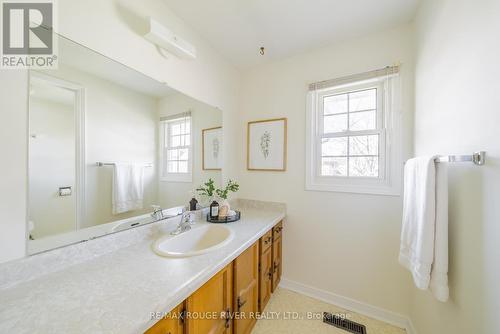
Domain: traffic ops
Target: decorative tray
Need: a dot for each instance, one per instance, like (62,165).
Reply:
(224,220)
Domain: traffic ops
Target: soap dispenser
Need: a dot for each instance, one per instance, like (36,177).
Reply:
(192,204)
(214,210)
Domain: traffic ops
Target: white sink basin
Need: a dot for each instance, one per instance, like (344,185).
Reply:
(199,240)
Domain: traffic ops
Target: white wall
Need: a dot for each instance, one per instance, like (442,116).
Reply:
(51,165)
(457,112)
(113,28)
(120,126)
(203,116)
(342,243)
(14,174)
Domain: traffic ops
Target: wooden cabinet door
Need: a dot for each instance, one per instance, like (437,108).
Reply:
(277,229)
(172,323)
(277,262)
(266,241)
(265,277)
(246,289)
(209,308)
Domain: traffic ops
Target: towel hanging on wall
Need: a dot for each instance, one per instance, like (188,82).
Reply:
(424,234)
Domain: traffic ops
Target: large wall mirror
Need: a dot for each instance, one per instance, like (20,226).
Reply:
(108,145)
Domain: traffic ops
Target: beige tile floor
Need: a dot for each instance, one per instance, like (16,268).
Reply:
(284,301)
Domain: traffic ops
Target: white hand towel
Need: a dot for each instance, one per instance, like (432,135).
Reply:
(128,187)
(439,272)
(424,235)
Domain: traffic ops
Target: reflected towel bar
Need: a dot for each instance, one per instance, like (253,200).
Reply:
(100,164)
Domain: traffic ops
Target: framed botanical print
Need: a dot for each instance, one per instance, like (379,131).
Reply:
(212,148)
(267,145)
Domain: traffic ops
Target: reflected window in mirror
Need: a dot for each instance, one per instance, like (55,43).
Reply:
(176,148)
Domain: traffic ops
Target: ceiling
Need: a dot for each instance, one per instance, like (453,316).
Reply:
(238,28)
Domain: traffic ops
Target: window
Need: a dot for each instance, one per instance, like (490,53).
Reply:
(175,149)
(352,144)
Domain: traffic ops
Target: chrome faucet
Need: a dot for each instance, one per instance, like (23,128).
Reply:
(157,212)
(184,224)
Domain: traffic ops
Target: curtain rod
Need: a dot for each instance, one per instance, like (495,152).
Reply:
(176,116)
(388,70)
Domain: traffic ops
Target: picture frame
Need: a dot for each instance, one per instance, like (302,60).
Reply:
(211,144)
(267,145)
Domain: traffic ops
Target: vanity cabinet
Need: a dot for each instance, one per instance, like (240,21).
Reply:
(209,309)
(277,231)
(230,300)
(270,264)
(277,246)
(277,254)
(172,323)
(265,270)
(246,289)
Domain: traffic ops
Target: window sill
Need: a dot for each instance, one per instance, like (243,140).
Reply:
(178,178)
(384,189)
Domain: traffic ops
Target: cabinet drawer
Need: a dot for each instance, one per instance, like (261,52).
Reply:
(266,241)
(277,230)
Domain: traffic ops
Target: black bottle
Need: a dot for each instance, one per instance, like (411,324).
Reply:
(214,210)
(192,204)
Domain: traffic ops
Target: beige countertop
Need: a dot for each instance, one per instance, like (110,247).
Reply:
(117,292)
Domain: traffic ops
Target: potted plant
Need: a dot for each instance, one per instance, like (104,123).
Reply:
(223,194)
(208,193)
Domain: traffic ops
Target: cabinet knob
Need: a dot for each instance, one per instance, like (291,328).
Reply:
(270,275)
(228,318)
(240,303)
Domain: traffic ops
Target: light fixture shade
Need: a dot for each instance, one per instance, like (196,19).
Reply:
(167,40)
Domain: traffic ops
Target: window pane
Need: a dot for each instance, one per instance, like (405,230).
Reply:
(187,140)
(335,123)
(183,154)
(365,120)
(173,155)
(336,104)
(363,100)
(175,129)
(175,141)
(172,166)
(334,166)
(334,146)
(363,166)
(183,166)
(363,145)
(187,127)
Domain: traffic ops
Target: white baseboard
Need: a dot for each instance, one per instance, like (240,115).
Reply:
(371,311)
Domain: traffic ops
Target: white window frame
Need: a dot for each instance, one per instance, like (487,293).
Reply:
(388,128)
(164,136)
